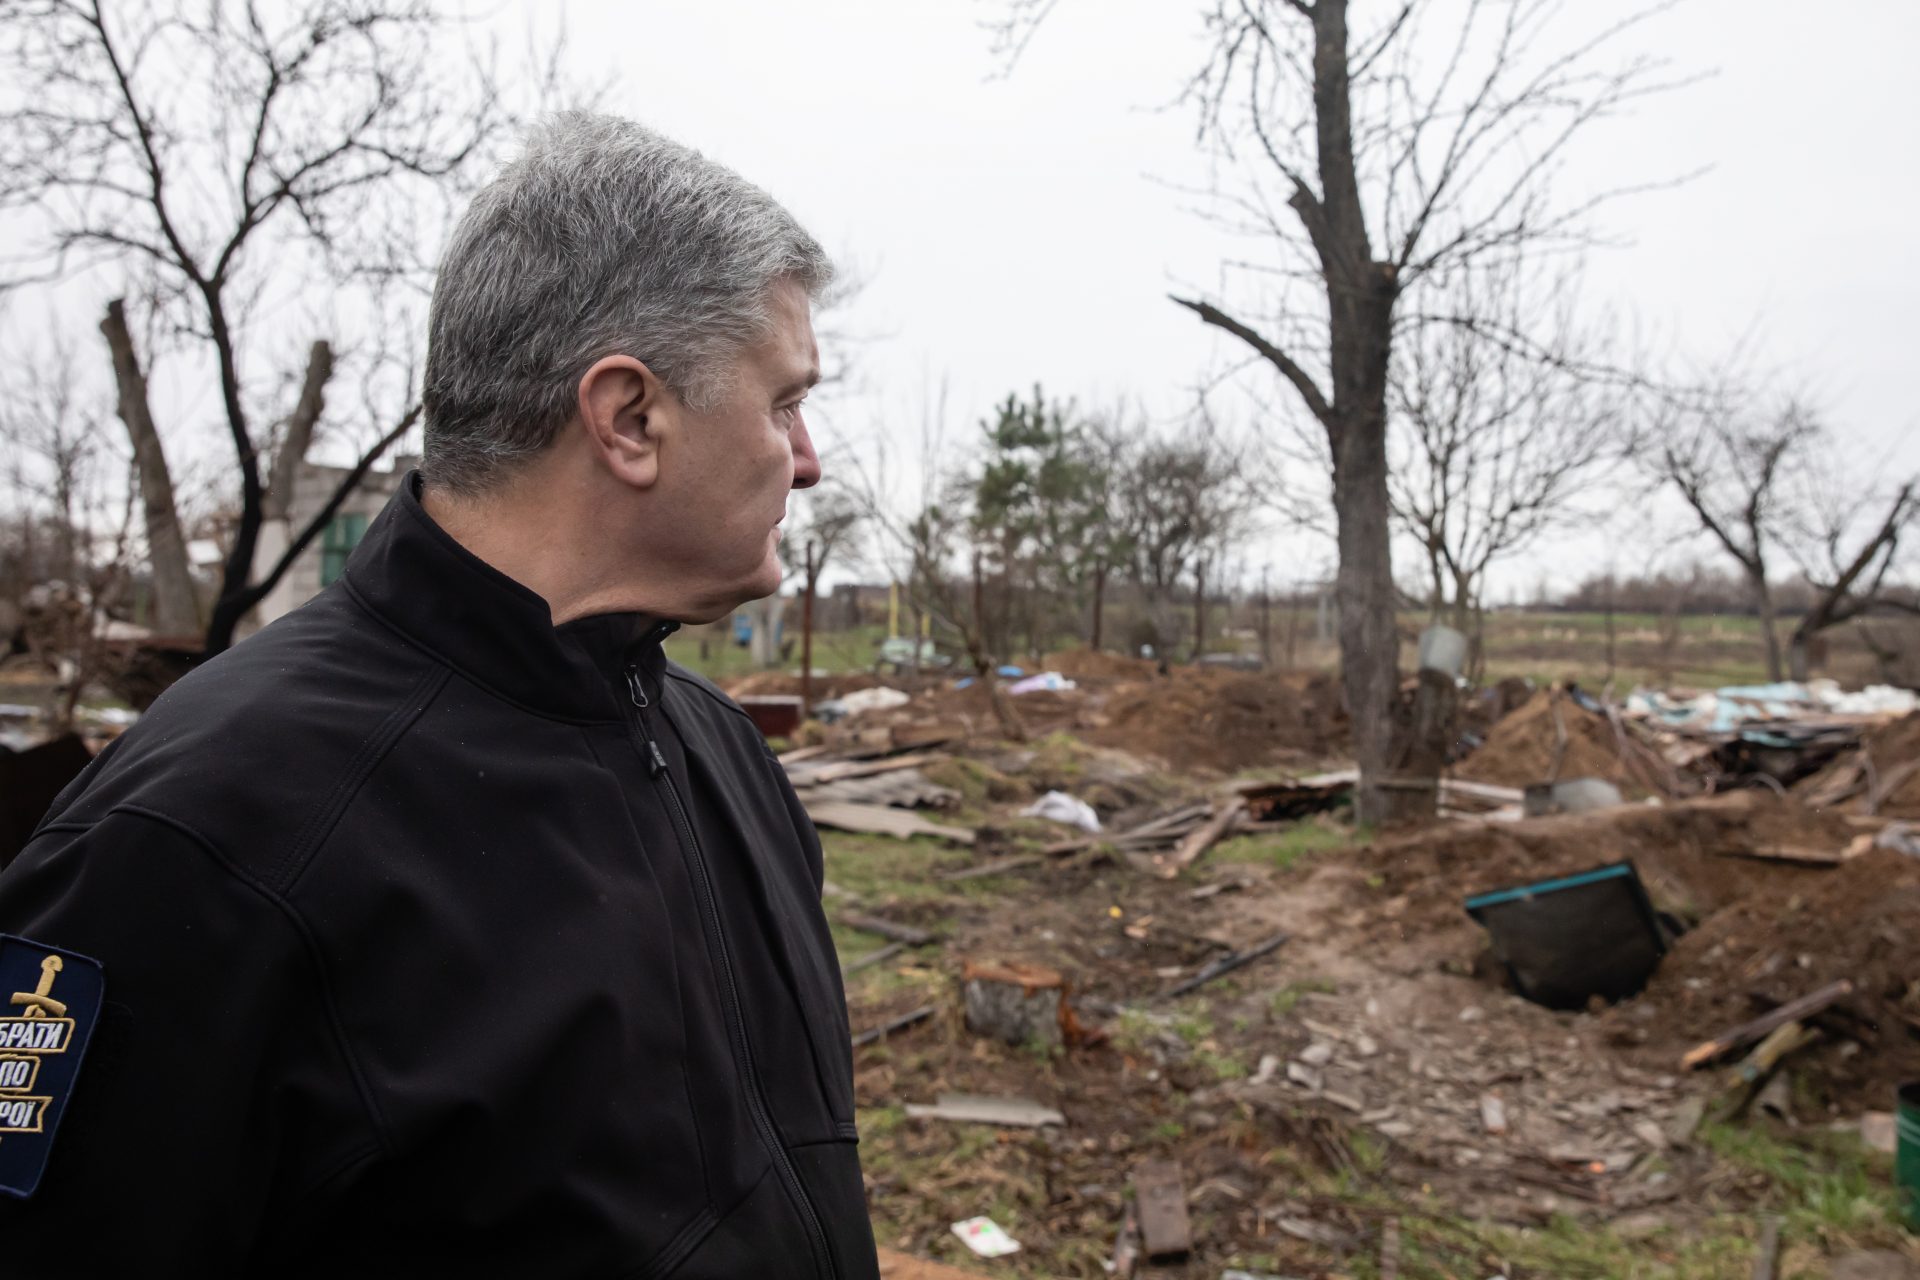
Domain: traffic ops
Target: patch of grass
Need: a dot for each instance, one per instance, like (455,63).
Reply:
(878,868)
(977,783)
(1281,850)
(1826,1184)
(1286,999)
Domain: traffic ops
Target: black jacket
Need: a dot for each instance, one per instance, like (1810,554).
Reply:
(439,941)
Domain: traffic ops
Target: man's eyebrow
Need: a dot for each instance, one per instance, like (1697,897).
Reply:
(803,383)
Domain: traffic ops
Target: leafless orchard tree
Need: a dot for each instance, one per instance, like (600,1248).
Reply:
(1494,445)
(1369,158)
(1756,477)
(65,556)
(217,163)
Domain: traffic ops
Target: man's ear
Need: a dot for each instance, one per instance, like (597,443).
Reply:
(623,407)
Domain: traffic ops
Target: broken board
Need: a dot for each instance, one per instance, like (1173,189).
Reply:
(968,1108)
(880,820)
(1160,1194)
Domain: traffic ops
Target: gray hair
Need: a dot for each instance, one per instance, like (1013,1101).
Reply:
(601,238)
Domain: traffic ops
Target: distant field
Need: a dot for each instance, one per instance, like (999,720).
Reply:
(1708,651)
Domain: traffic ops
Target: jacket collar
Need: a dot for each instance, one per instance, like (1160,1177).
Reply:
(497,633)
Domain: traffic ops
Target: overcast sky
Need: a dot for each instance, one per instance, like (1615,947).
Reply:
(1028,228)
(1025,228)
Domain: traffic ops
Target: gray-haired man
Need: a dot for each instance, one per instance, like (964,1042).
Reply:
(444,928)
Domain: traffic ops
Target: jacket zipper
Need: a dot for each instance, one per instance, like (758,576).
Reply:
(662,777)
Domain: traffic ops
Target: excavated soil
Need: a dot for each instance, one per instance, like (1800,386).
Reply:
(1520,749)
(1763,931)
(1888,752)
(1226,720)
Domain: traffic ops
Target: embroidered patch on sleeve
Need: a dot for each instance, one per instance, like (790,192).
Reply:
(49,1002)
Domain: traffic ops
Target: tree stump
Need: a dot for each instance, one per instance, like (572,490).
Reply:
(1016,1003)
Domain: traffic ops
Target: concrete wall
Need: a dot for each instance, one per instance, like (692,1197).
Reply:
(313,485)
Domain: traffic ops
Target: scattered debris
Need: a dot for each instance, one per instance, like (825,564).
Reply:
(1058,806)
(895,1265)
(841,770)
(1575,795)
(1877,1131)
(1228,963)
(893,931)
(1160,1194)
(872,958)
(1188,851)
(881,820)
(966,1108)
(1751,1032)
(1126,1244)
(900,1023)
(984,1237)
(1493,1113)
(1766,1263)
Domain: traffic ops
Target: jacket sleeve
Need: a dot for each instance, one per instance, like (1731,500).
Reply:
(213,1096)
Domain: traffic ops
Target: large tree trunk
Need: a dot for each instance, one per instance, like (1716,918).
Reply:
(176,607)
(1369,636)
(277,503)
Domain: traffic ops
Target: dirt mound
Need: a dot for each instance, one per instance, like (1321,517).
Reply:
(1206,718)
(1520,749)
(1097,664)
(1686,852)
(1854,922)
(1762,931)
(1887,766)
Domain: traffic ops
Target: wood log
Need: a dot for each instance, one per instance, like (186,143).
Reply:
(1188,851)
(1016,1003)
(1751,1032)
(892,930)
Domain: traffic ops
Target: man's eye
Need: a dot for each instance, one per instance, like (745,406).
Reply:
(791,412)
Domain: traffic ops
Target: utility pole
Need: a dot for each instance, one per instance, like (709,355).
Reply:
(806,640)
(1266,620)
(1199,609)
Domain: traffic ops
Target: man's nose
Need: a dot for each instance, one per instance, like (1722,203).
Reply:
(806,463)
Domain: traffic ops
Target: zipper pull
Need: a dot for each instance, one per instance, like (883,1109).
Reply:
(656,760)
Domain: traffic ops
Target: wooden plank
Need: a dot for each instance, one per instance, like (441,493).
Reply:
(873,958)
(843,769)
(880,820)
(800,755)
(1766,1262)
(1188,851)
(1751,1032)
(1160,1198)
(1228,963)
(967,1108)
(1788,853)
(892,930)
(999,866)
(901,1023)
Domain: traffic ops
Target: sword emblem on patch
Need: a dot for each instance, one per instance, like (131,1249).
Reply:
(43,1033)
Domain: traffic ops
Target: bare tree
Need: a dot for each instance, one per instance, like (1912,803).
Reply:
(1494,445)
(219,159)
(1728,464)
(1369,163)
(1848,547)
(69,546)
(1757,478)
